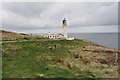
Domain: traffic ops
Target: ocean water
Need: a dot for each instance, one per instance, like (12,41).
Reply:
(105,39)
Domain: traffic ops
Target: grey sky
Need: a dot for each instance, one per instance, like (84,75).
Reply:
(36,17)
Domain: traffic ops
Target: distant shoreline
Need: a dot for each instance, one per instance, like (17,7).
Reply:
(105,39)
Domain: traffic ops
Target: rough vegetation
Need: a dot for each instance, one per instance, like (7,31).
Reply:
(44,58)
(8,36)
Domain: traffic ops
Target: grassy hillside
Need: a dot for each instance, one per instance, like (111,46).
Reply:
(58,58)
(7,35)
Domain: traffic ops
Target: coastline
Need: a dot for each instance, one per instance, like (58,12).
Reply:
(66,55)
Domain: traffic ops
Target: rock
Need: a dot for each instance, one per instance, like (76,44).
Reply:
(76,55)
(102,61)
(81,57)
(40,75)
(69,65)
(60,60)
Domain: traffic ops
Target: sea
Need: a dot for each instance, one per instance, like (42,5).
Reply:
(109,40)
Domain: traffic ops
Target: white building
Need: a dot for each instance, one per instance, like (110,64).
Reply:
(53,36)
(59,36)
(64,26)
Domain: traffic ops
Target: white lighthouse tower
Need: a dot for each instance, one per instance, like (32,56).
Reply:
(64,26)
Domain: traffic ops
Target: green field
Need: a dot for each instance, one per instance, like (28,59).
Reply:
(57,59)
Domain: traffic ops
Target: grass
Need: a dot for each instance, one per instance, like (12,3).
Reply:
(51,59)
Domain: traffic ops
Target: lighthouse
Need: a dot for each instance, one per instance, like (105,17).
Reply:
(64,26)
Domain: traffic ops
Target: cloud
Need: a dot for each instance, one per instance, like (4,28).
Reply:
(46,15)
